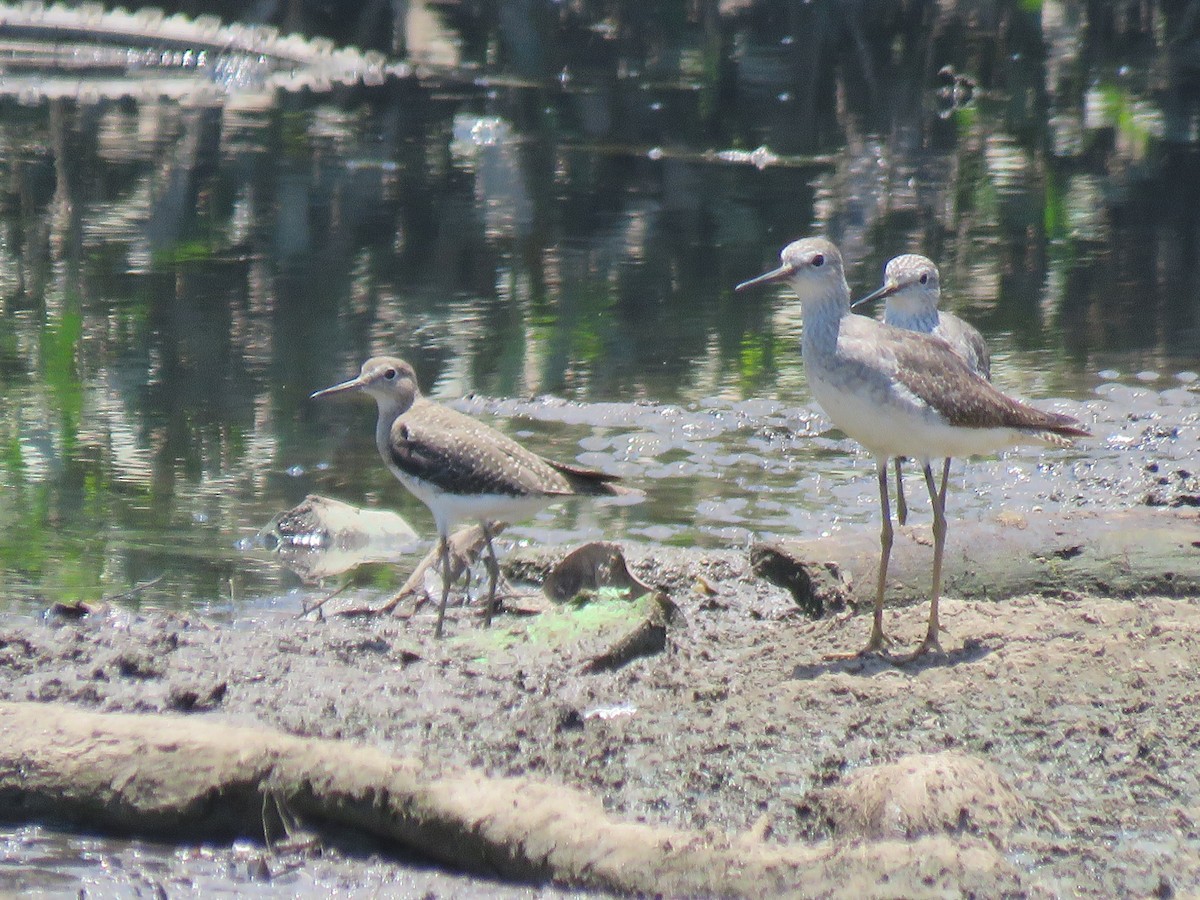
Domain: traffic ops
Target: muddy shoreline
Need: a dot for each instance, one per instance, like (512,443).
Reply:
(1084,705)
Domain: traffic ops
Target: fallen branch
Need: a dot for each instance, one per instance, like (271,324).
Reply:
(195,779)
(465,546)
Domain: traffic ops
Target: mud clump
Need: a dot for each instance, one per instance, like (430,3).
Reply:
(925,793)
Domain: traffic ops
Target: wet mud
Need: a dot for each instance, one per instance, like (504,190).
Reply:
(1077,715)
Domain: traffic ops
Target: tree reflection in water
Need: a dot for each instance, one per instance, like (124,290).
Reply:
(567,218)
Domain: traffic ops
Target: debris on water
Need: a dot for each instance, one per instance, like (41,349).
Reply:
(760,157)
(610,712)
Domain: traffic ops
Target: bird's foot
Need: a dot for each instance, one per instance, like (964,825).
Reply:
(489,607)
(929,645)
(877,646)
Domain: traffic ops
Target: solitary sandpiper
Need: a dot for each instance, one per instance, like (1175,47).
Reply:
(912,286)
(461,469)
(899,393)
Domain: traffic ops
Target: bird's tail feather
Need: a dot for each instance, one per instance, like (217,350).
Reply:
(1060,431)
(591,482)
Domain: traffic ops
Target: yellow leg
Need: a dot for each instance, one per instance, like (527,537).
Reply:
(878,641)
(937,499)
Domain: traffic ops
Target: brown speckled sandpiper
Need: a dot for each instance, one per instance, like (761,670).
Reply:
(462,469)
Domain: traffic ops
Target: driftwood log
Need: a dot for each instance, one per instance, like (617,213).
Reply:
(196,779)
(1115,553)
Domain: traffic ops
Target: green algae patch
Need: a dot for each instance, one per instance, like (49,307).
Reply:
(592,618)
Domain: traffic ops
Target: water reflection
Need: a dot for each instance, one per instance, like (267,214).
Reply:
(176,279)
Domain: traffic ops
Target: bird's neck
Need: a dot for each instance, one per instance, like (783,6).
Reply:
(823,312)
(912,315)
(389,411)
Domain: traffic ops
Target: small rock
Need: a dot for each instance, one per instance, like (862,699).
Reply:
(596,565)
(569,719)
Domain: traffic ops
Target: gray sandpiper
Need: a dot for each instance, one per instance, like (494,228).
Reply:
(912,286)
(899,393)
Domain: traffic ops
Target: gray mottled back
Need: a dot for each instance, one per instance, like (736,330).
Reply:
(915,291)
(966,341)
(926,366)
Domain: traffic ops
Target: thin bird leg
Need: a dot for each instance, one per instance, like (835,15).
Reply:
(945,479)
(901,503)
(466,576)
(937,498)
(878,641)
(493,569)
(444,552)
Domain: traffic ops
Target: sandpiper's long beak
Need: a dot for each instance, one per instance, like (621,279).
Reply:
(781,274)
(353,384)
(886,291)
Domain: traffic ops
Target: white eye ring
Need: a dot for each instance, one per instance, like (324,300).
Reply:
(390,374)
(818,260)
(924,278)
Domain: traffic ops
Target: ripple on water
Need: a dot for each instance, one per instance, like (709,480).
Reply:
(726,469)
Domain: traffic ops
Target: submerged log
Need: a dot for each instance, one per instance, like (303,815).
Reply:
(1116,553)
(195,779)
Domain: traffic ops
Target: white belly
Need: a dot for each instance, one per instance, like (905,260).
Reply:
(451,510)
(904,427)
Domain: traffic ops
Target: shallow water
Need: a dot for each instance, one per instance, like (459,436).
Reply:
(177,279)
(552,237)
(39,862)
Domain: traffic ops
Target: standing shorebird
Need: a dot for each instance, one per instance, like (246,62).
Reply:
(461,469)
(913,289)
(899,393)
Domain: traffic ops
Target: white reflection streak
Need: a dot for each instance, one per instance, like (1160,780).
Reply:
(109,426)
(488,146)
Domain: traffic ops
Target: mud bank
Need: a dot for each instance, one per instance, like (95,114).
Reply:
(1081,708)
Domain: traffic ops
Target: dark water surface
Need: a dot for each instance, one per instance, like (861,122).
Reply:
(565,222)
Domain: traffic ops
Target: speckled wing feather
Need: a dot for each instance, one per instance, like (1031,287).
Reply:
(931,371)
(460,455)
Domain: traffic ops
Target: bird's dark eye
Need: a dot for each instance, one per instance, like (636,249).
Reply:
(924,278)
(390,374)
(818,260)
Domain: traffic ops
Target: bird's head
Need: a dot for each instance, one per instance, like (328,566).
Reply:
(910,282)
(811,266)
(390,381)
